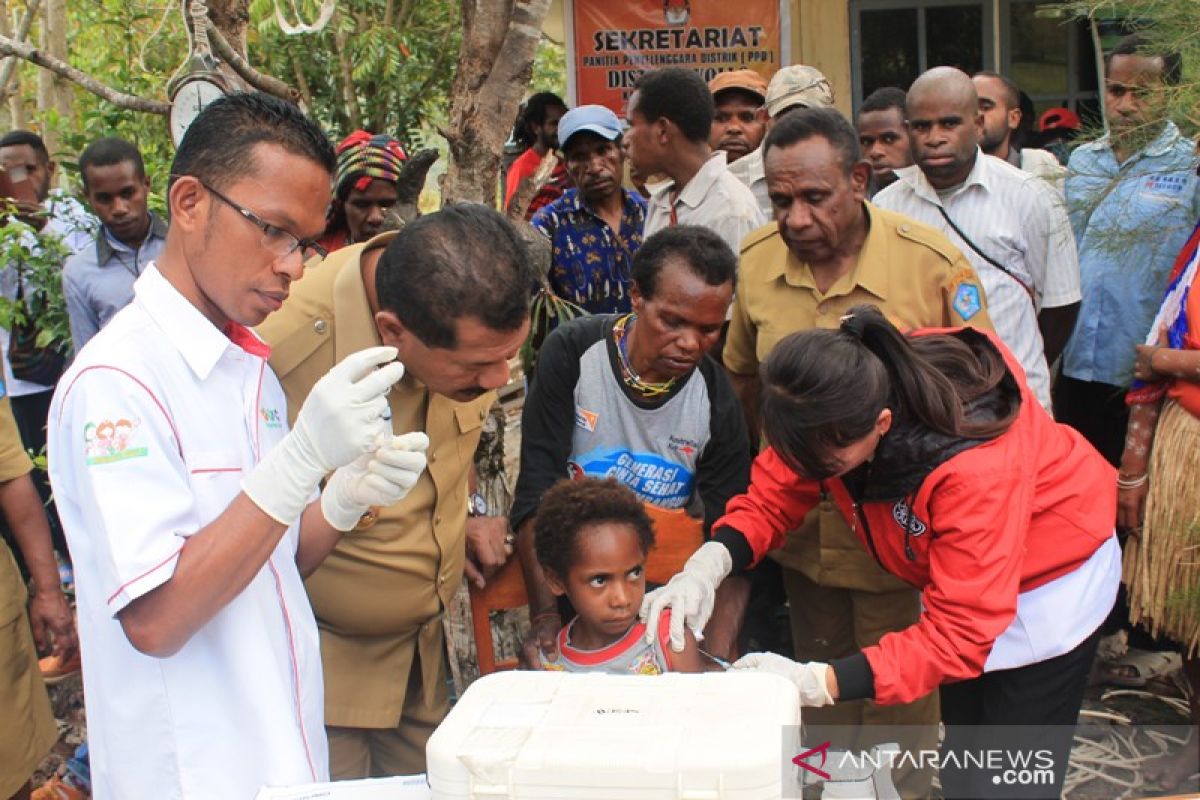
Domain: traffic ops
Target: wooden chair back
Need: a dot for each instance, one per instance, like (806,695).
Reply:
(676,537)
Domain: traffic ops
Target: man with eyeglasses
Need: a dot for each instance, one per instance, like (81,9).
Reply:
(191,511)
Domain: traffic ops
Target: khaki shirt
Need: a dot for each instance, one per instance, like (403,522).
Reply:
(14,462)
(380,594)
(914,275)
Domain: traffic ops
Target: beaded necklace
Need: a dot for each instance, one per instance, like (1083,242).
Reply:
(629,375)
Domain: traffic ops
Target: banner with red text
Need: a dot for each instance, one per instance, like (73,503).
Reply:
(610,44)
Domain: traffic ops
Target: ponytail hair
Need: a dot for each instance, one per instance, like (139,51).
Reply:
(824,389)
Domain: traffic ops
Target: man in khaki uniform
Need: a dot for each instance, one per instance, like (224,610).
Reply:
(450,292)
(829,250)
(29,730)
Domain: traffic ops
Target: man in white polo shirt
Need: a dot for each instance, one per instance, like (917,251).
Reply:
(670,114)
(1010,225)
(188,506)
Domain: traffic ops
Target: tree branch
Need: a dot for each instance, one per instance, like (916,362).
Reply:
(249,74)
(405,12)
(301,81)
(28,52)
(10,64)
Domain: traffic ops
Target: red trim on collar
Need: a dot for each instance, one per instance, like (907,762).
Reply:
(243,338)
(590,658)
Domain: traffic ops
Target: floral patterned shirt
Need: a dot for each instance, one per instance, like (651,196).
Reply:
(591,263)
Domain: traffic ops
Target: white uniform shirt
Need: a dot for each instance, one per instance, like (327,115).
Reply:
(749,170)
(1019,221)
(712,199)
(151,430)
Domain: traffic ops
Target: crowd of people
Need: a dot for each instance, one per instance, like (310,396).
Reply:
(935,388)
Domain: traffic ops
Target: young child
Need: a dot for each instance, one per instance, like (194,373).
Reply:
(592,537)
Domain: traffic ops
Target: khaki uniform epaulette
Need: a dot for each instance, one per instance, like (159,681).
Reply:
(922,234)
(758,236)
(306,321)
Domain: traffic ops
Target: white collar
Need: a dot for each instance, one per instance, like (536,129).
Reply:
(191,333)
(915,179)
(697,188)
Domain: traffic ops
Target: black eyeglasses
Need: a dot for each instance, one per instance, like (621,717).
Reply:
(276,240)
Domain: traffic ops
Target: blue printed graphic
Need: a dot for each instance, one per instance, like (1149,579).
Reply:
(654,479)
(967,301)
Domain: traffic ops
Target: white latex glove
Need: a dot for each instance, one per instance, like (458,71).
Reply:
(690,594)
(380,479)
(342,418)
(809,676)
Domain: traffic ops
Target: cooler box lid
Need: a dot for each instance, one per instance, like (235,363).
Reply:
(714,736)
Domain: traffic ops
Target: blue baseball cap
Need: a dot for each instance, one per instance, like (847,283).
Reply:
(599,120)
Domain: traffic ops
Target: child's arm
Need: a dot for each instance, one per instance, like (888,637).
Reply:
(691,659)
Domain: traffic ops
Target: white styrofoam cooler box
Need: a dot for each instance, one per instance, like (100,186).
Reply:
(714,736)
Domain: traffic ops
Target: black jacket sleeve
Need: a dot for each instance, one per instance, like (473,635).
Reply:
(548,418)
(723,470)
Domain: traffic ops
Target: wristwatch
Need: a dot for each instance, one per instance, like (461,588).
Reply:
(477,505)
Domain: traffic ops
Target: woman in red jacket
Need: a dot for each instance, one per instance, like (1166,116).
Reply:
(957,481)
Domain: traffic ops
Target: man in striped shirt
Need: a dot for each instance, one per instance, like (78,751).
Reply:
(1011,226)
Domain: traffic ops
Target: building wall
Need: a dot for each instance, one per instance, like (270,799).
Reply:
(821,38)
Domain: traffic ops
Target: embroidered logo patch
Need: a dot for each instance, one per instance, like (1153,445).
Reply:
(108,441)
(270,417)
(901,513)
(967,300)
(586,419)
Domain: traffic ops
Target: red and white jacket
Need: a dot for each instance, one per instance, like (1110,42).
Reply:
(1017,526)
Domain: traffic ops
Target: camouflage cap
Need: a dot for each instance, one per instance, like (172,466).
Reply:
(798,85)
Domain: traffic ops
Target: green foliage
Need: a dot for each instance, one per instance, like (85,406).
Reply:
(134,46)
(549,68)
(401,66)
(401,71)
(39,257)
(546,312)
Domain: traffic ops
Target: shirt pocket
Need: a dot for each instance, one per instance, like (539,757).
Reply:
(216,478)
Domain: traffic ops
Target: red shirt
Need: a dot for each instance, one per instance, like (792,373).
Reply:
(523,167)
(998,519)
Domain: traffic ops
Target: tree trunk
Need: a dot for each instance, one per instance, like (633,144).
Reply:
(494,68)
(230,17)
(54,91)
(6,29)
(346,77)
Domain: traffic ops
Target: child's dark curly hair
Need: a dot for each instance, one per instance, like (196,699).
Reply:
(571,505)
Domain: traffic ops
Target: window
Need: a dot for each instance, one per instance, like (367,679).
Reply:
(1050,56)
(1042,47)
(894,41)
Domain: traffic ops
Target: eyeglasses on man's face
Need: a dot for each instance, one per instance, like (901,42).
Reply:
(276,240)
